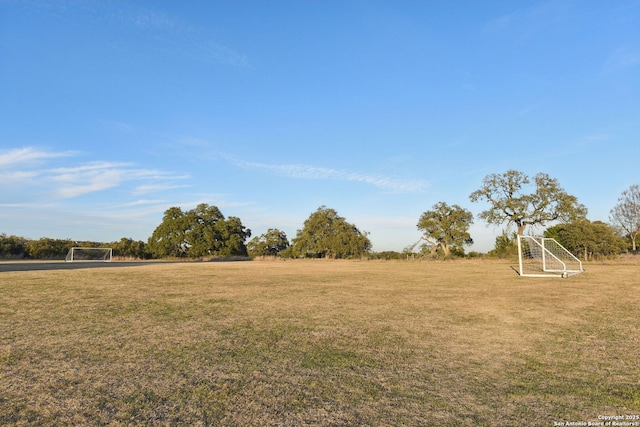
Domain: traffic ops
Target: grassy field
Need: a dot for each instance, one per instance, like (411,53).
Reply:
(462,343)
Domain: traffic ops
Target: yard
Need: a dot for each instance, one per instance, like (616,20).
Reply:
(288,343)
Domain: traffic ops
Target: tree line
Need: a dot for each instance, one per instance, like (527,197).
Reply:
(15,247)
(518,202)
(515,201)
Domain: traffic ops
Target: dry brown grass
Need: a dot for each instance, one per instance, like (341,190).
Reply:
(318,343)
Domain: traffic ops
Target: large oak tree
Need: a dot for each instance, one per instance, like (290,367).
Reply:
(271,243)
(446,227)
(199,232)
(327,235)
(516,199)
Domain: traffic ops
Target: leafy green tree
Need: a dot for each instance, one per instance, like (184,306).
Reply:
(12,246)
(47,248)
(515,199)
(506,246)
(170,237)
(232,235)
(327,235)
(271,243)
(626,214)
(205,227)
(588,240)
(200,232)
(129,248)
(446,227)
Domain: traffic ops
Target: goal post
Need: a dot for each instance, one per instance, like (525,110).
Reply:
(78,254)
(545,257)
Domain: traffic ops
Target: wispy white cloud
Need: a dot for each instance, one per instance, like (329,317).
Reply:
(29,171)
(117,171)
(159,30)
(13,177)
(90,178)
(71,173)
(143,202)
(176,37)
(99,176)
(28,155)
(315,172)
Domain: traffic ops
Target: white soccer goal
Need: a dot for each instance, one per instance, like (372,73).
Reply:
(89,255)
(544,257)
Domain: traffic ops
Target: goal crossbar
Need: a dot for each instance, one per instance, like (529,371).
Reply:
(80,254)
(544,257)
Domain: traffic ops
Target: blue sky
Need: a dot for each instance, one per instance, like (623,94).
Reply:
(113,111)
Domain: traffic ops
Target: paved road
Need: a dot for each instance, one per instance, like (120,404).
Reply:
(61,265)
